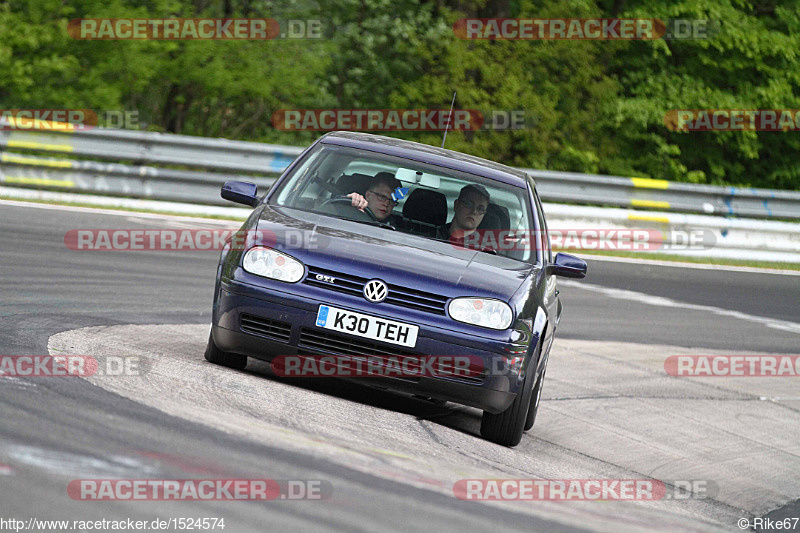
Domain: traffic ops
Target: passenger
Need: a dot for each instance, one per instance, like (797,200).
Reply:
(379,197)
(470,208)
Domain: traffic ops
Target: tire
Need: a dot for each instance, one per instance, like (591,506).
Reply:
(506,428)
(535,397)
(218,357)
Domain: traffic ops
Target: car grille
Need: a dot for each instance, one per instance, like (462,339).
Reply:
(266,327)
(398,295)
(352,346)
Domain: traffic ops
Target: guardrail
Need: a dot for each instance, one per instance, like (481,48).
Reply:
(718,237)
(570,187)
(729,238)
(136,152)
(114,179)
(147,148)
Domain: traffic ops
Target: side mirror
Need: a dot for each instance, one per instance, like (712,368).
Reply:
(240,192)
(567,266)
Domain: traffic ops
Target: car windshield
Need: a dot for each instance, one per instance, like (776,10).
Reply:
(412,197)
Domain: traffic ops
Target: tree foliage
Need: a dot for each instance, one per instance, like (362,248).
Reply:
(590,106)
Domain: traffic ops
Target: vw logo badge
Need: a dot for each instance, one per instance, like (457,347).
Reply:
(375,290)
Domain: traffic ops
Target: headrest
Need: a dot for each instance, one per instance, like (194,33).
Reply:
(354,183)
(425,205)
(496,217)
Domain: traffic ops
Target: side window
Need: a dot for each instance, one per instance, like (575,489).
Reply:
(544,236)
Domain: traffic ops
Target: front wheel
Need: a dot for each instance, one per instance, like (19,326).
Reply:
(218,357)
(506,428)
(535,398)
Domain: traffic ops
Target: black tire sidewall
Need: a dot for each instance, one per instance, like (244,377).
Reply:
(497,427)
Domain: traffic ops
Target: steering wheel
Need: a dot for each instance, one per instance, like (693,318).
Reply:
(343,206)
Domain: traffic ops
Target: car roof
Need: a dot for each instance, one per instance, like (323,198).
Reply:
(428,154)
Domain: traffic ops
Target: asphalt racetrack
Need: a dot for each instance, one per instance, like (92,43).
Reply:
(389,462)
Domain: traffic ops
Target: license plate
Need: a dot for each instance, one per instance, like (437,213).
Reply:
(368,327)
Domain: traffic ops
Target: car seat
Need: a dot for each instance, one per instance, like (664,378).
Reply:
(425,211)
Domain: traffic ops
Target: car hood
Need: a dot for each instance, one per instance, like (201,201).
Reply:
(368,251)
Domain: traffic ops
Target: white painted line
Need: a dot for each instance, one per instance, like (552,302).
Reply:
(659,301)
(65,463)
(778,398)
(130,214)
(698,266)
(125,203)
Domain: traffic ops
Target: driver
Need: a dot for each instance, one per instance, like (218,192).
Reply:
(378,196)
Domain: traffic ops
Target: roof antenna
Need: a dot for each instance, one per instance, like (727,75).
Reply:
(449,118)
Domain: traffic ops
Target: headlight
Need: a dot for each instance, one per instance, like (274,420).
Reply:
(482,312)
(270,263)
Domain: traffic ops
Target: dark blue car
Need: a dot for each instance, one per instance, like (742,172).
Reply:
(374,248)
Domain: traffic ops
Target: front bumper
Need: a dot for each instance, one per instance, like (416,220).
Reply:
(291,317)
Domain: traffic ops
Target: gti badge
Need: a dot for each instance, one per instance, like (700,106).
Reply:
(326,279)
